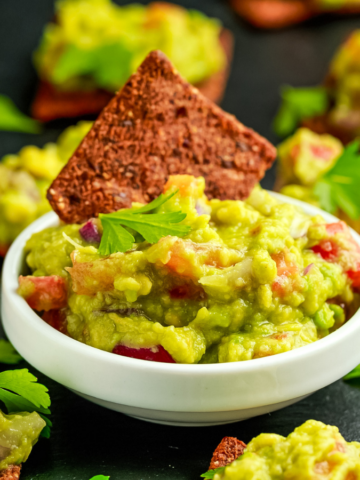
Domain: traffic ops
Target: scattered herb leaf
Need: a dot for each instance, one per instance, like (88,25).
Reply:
(151,226)
(99,477)
(20,392)
(210,474)
(8,354)
(339,187)
(297,105)
(11,119)
(353,374)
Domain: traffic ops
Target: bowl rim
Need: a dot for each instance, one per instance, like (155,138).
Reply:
(15,256)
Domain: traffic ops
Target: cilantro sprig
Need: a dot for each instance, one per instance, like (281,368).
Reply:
(142,223)
(339,187)
(297,105)
(11,119)
(210,474)
(20,392)
(8,354)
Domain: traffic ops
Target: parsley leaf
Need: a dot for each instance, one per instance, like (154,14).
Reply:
(339,187)
(11,119)
(353,374)
(151,226)
(20,392)
(99,477)
(297,105)
(8,354)
(210,474)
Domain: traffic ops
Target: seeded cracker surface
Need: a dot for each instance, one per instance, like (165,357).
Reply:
(227,451)
(157,125)
(11,473)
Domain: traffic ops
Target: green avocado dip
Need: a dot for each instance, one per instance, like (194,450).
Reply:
(98,44)
(18,434)
(249,279)
(25,177)
(312,451)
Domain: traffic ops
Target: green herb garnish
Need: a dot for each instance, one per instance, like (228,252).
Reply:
(99,477)
(210,474)
(353,374)
(297,105)
(8,354)
(339,187)
(109,65)
(150,226)
(20,392)
(13,120)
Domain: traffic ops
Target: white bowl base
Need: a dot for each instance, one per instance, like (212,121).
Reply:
(189,419)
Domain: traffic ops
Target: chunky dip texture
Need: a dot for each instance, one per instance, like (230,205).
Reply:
(25,177)
(251,279)
(313,451)
(18,434)
(96,43)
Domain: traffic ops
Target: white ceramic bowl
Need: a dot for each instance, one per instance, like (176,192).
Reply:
(187,395)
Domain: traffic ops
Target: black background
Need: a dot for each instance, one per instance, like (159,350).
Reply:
(87,439)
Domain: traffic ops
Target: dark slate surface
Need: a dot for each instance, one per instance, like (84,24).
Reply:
(87,439)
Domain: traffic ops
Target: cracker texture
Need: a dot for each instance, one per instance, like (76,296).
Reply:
(229,449)
(157,125)
(11,473)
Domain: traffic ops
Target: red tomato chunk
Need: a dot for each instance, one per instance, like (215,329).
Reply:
(154,354)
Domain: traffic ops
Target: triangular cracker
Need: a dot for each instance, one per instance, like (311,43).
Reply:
(228,450)
(157,125)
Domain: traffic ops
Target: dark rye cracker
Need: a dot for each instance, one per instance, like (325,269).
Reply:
(12,472)
(50,103)
(228,450)
(157,125)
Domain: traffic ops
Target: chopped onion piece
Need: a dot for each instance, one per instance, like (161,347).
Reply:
(90,232)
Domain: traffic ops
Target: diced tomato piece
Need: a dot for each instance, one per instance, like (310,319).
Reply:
(56,319)
(331,251)
(178,261)
(322,152)
(284,266)
(336,227)
(285,269)
(155,354)
(43,293)
(327,249)
(354,276)
(187,184)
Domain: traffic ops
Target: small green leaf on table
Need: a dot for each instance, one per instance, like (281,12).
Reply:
(8,354)
(11,119)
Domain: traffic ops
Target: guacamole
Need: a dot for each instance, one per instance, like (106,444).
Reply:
(303,160)
(18,434)
(25,177)
(251,279)
(98,44)
(312,451)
